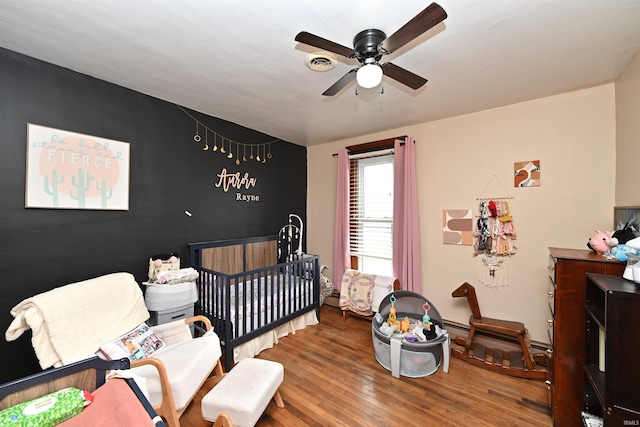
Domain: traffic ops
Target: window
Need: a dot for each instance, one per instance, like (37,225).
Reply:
(371,213)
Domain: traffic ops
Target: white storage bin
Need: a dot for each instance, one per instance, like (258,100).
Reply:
(167,297)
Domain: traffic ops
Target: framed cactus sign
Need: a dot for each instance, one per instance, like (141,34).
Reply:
(68,170)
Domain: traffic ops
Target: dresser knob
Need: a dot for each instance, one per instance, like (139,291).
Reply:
(549,352)
(550,294)
(550,323)
(548,384)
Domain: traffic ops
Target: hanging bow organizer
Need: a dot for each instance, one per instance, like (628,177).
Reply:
(395,353)
(494,237)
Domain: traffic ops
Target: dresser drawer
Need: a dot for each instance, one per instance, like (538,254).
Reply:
(551,295)
(549,386)
(552,269)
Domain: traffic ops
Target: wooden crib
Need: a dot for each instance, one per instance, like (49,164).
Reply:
(246,293)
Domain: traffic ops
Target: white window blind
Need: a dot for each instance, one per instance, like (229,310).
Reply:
(371,212)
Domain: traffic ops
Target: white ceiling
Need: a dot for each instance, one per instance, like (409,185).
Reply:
(237,59)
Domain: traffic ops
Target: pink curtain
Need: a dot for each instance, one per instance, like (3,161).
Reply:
(341,254)
(406,231)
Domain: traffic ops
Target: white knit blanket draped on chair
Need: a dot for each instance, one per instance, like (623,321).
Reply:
(56,316)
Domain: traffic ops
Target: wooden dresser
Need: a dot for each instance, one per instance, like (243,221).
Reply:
(611,353)
(567,274)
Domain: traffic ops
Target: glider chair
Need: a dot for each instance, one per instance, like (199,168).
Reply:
(175,375)
(106,316)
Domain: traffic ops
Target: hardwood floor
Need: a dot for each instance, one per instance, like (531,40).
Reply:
(333,379)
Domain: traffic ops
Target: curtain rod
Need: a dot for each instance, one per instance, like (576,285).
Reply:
(369,147)
(377,153)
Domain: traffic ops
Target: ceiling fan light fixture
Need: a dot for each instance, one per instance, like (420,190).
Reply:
(370,45)
(369,76)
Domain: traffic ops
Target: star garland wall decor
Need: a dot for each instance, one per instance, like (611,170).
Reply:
(242,152)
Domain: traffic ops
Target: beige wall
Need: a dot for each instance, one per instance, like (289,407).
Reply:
(573,135)
(628,135)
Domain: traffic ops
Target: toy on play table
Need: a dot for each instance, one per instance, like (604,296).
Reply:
(393,319)
(404,325)
(426,319)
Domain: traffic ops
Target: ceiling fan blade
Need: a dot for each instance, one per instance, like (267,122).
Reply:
(313,40)
(425,20)
(403,76)
(342,83)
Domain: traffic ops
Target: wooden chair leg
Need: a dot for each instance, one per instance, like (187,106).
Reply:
(528,359)
(218,370)
(472,333)
(171,420)
(278,398)
(223,420)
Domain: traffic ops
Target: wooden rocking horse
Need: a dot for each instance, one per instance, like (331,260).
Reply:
(523,364)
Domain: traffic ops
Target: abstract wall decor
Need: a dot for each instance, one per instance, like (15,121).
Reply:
(68,170)
(457,227)
(526,174)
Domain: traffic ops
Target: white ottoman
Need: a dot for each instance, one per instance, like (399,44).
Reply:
(244,393)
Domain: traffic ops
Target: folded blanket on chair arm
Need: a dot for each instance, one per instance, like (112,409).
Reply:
(70,323)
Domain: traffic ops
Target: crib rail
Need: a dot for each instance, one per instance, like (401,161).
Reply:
(245,305)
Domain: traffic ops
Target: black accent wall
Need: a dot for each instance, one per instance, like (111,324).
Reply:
(41,249)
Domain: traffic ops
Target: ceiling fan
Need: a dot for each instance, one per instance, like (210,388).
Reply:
(369,46)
